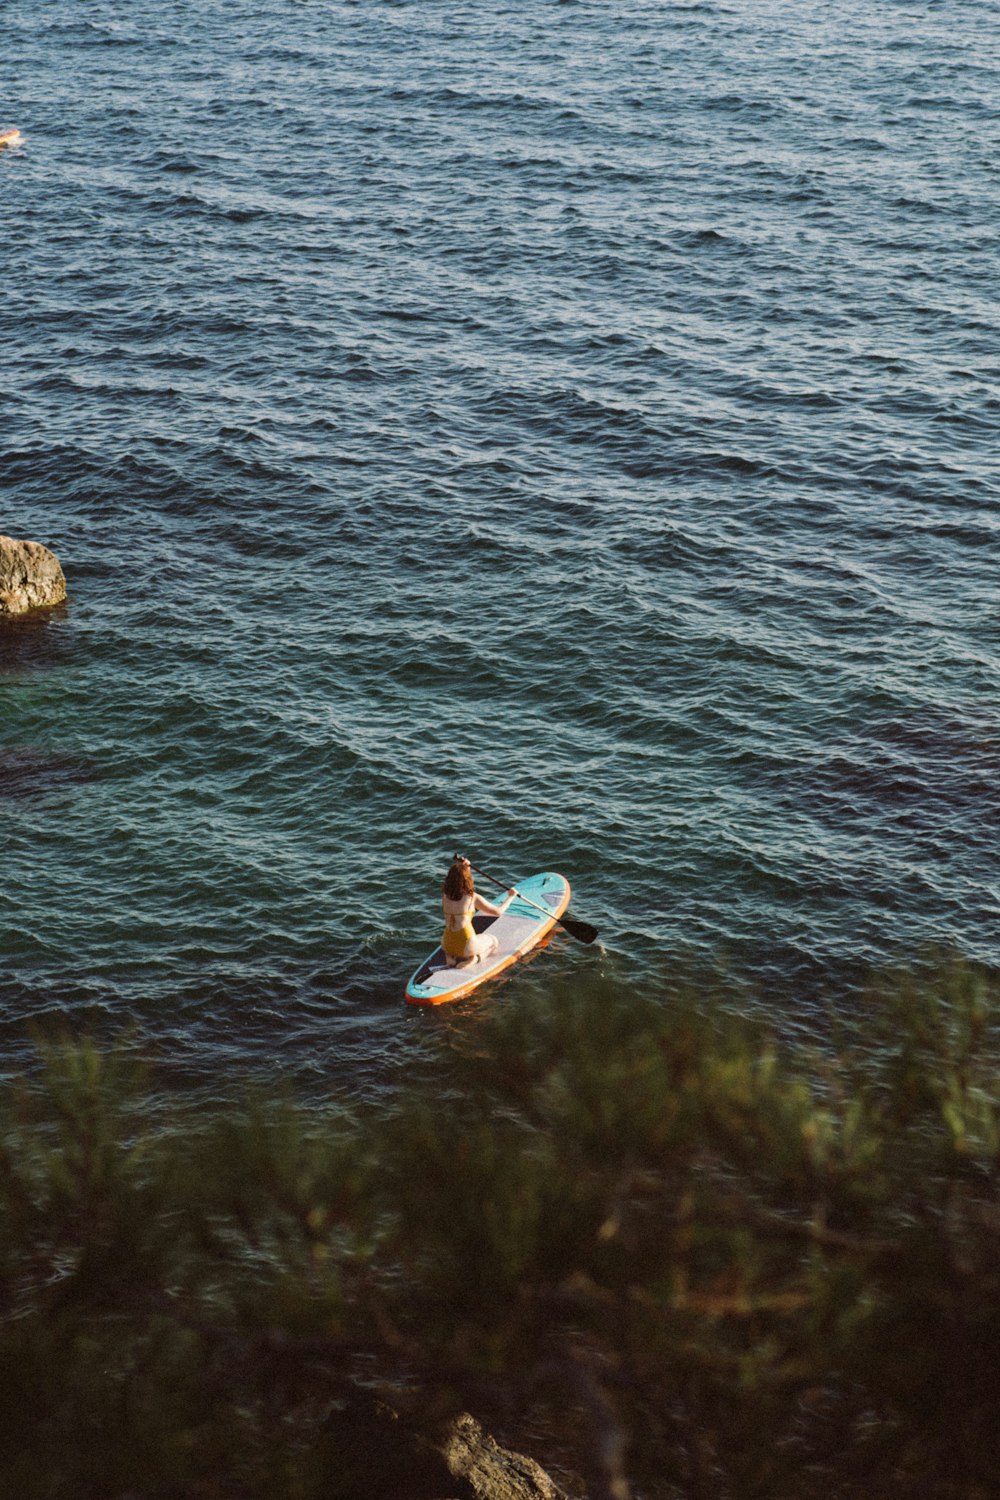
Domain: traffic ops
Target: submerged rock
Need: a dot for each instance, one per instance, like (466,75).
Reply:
(27,772)
(32,640)
(30,577)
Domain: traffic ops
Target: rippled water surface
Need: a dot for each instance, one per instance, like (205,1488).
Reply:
(567,431)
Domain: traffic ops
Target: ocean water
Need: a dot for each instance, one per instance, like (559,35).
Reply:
(566,432)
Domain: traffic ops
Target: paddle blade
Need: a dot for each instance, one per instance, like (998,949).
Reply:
(580,930)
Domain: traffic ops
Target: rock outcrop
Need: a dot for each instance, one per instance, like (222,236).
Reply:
(492,1472)
(30,577)
(380,1456)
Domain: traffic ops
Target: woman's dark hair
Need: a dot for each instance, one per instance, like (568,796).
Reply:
(458,882)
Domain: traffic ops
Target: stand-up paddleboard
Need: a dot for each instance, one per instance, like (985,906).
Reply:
(530,917)
(9,138)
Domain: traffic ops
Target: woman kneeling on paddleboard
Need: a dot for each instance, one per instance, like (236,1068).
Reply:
(461,943)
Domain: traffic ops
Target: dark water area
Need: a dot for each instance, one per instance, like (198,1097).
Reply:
(566,431)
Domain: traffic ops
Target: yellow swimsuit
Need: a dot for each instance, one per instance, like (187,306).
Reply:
(457,939)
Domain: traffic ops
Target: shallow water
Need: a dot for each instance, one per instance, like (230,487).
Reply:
(562,431)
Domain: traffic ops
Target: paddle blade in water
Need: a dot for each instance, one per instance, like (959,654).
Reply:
(581,930)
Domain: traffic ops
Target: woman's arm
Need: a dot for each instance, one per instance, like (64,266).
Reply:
(495,911)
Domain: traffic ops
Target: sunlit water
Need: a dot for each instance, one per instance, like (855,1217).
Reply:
(565,431)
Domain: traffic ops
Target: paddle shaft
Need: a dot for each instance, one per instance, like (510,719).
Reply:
(581,930)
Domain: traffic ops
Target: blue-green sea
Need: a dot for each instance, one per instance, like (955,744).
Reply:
(566,432)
